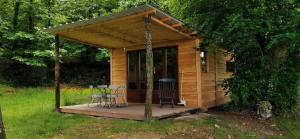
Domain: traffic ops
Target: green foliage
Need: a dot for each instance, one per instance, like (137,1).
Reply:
(27,53)
(262,37)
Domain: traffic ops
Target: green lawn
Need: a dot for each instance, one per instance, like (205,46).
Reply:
(29,114)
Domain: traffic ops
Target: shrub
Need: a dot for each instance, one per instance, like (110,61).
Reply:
(263,39)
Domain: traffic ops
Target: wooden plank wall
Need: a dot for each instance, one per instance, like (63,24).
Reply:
(118,67)
(214,95)
(208,82)
(187,64)
(198,88)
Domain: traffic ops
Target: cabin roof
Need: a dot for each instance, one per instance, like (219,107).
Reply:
(125,29)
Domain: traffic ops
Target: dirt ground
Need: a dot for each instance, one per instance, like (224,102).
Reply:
(248,121)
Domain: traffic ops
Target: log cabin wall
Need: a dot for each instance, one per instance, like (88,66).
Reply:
(213,93)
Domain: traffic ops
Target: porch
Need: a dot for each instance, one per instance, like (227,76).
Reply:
(170,53)
(134,111)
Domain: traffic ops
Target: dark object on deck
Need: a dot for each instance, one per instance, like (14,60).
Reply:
(2,131)
(166,91)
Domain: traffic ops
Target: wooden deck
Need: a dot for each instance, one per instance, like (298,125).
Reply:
(134,111)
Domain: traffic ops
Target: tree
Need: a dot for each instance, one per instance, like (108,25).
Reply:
(30,51)
(2,131)
(149,68)
(16,14)
(262,37)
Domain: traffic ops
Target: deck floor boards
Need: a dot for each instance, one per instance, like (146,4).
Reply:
(134,111)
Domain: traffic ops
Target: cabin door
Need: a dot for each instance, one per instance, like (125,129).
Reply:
(165,66)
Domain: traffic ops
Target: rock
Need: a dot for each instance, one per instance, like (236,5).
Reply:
(264,109)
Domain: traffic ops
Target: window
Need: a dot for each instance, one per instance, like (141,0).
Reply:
(203,56)
(165,66)
(230,66)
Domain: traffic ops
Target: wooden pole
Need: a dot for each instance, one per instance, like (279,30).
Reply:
(2,131)
(57,74)
(149,68)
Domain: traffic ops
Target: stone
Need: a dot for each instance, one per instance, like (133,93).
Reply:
(264,109)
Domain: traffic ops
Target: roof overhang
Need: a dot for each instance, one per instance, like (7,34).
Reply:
(125,29)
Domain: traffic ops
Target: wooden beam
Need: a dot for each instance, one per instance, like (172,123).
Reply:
(194,33)
(176,25)
(149,69)
(57,74)
(165,19)
(156,45)
(2,130)
(150,12)
(111,62)
(170,27)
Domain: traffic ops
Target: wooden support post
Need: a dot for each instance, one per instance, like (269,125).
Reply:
(2,131)
(149,68)
(57,74)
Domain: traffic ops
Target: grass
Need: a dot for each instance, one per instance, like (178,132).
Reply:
(29,114)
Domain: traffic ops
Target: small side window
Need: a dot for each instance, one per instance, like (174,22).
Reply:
(230,66)
(204,64)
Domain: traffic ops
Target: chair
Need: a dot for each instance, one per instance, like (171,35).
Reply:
(111,99)
(166,91)
(117,97)
(97,98)
(121,99)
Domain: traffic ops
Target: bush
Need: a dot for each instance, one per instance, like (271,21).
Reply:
(263,39)
(255,81)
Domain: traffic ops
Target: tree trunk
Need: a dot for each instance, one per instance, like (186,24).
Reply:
(16,14)
(30,17)
(149,68)
(49,5)
(57,74)
(15,22)
(2,131)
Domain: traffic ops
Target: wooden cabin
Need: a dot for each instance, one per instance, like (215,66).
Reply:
(198,74)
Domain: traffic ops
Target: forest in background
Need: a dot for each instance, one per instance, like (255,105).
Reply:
(26,52)
(262,35)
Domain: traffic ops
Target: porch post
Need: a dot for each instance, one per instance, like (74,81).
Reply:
(149,68)
(57,74)
(2,131)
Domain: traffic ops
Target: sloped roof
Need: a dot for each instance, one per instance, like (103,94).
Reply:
(125,29)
